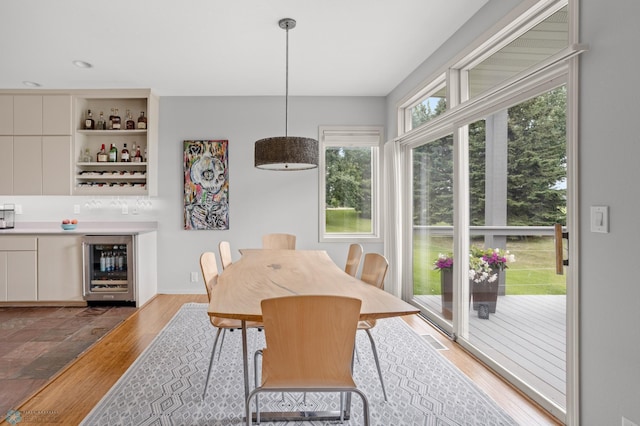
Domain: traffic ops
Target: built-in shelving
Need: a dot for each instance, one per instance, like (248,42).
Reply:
(115,178)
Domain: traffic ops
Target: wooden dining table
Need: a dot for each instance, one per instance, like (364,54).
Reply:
(267,273)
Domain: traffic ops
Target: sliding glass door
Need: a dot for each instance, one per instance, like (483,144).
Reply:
(500,297)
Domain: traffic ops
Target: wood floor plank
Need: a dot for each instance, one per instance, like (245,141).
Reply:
(71,395)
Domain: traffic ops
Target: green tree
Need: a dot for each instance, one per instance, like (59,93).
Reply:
(536,162)
(536,167)
(348,180)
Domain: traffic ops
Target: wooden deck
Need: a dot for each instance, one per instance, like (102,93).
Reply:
(527,335)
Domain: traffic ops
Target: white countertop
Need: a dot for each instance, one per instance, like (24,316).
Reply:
(83,228)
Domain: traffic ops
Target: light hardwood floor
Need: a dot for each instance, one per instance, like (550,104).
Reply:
(69,396)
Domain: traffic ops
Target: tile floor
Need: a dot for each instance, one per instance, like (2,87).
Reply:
(36,343)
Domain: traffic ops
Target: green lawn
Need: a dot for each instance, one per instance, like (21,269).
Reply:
(533,272)
(347,220)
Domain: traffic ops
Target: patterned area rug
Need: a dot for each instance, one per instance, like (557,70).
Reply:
(164,385)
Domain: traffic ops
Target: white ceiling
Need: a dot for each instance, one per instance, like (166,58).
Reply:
(223,47)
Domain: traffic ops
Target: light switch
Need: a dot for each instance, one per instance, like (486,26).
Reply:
(600,219)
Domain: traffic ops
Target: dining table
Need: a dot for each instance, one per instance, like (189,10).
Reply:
(267,273)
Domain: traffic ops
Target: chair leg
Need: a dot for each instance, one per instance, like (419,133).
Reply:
(215,342)
(221,343)
(375,357)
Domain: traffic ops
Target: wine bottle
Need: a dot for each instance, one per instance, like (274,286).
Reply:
(130,124)
(142,121)
(89,124)
(124,155)
(116,121)
(113,154)
(102,155)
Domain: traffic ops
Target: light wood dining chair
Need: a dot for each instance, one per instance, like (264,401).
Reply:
(225,254)
(279,241)
(374,269)
(353,259)
(309,347)
(209,270)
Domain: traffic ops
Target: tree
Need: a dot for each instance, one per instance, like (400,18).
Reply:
(348,181)
(536,167)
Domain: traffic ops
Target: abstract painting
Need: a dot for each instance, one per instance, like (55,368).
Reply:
(206,185)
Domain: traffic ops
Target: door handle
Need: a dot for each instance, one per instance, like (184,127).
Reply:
(559,236)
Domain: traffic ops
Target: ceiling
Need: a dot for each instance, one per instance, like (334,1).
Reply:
(224,47)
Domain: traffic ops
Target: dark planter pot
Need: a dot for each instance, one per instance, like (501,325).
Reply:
(446,292)
(486,293)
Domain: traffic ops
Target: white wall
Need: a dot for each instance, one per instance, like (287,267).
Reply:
(260,201)
(608,175)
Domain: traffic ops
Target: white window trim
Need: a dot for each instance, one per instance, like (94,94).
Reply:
(354,136)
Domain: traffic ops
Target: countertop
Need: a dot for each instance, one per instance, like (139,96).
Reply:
(83,228)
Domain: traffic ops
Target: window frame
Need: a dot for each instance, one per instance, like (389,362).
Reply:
(351,136)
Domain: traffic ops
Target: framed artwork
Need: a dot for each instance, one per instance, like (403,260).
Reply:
(206,185)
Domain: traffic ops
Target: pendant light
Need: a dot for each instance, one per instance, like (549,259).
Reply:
(286,152)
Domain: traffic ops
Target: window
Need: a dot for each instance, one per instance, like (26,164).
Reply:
(349,183)
(427,103)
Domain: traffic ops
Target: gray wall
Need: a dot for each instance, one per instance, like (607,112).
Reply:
(608,174)
(260,201)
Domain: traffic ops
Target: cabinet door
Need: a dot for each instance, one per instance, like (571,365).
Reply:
(3,276)
(56,165)
(59,268)
(22,276)
(6,115)
(27,115)
(27,165)
(6,165)
(56,115)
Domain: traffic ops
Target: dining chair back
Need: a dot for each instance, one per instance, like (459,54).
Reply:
(279,241)
(225,254)
(209,270)
(353,259)
(374,269)
(309,346)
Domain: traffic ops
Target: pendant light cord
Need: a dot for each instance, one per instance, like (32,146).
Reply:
(286,95)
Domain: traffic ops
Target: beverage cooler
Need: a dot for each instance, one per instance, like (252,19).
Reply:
(108,268)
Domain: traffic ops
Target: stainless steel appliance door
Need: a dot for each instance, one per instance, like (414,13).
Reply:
(108,268)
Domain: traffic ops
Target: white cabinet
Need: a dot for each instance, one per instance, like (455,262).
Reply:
(18,273)
(115,178)
(35,144)
(60,268)
(6,115)
(6,165)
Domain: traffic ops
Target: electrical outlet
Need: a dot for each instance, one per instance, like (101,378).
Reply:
(194,277)
(76,208)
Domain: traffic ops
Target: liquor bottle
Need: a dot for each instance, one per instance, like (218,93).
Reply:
(86,157)
(130,124)
(142,121)
(101,125)
(124,155)
(102,155)
(138,156)
(103,262)
(113,114)
(116,122)
(89,124)
(113,154)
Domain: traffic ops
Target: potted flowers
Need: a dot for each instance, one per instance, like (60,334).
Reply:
(444,263)
(485,266)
